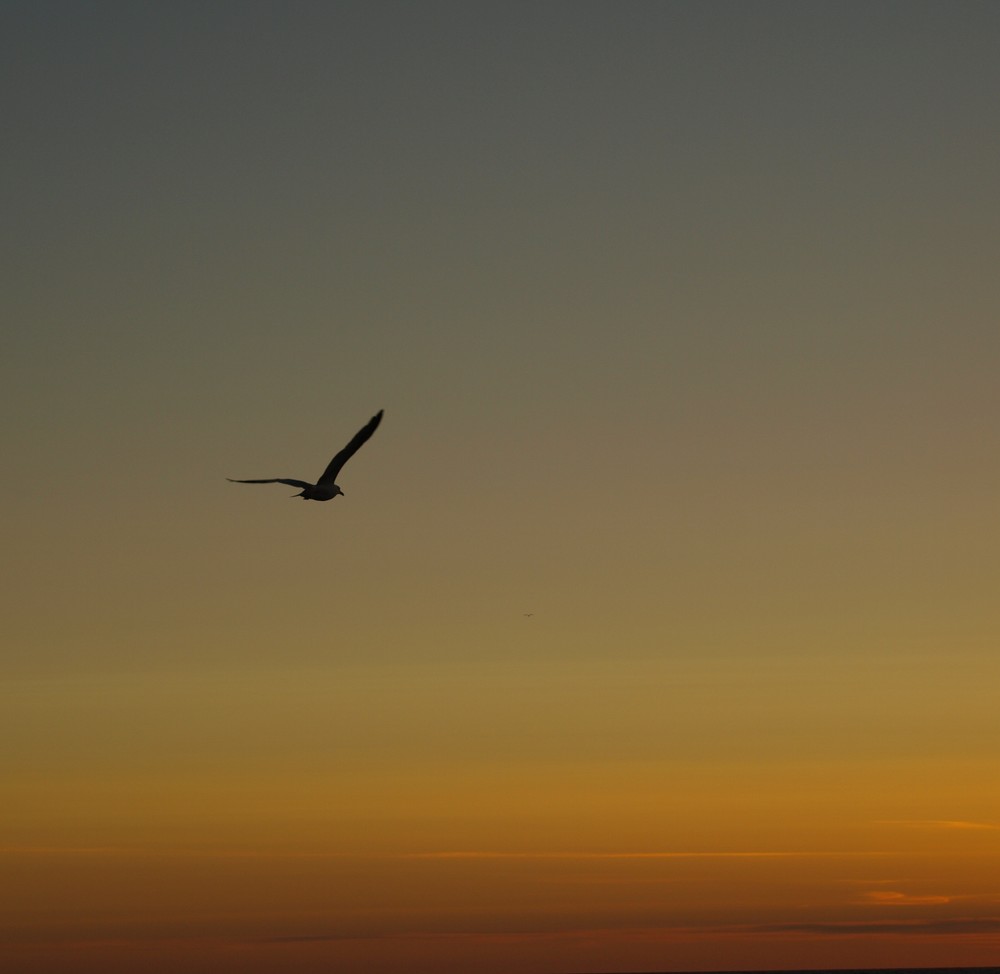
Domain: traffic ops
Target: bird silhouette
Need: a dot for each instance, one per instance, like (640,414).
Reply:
(325,488)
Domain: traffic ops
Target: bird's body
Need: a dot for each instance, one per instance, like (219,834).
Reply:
(325,488)
(319,492)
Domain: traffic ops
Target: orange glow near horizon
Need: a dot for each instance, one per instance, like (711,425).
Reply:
(496,911)
(532,865)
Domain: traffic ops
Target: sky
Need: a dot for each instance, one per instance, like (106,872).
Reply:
(657,628)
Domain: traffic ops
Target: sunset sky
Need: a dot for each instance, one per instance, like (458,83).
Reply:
(658,626)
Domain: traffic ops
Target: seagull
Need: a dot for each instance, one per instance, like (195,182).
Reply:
(325,489)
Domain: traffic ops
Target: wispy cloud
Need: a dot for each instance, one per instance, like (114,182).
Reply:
(889,897)
(519,930)
(953,927)
(956,926)
(471,854)
(634,855)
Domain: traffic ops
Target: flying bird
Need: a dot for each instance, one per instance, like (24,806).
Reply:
(325,488)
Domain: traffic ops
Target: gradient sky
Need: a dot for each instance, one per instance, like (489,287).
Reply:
(684,318)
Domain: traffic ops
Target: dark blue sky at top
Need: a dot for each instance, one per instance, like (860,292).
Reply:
(740,251)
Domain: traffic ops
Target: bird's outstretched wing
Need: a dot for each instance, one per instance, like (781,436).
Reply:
(359,439)
(276,480)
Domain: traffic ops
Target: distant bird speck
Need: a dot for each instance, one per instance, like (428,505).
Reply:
(325,489)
